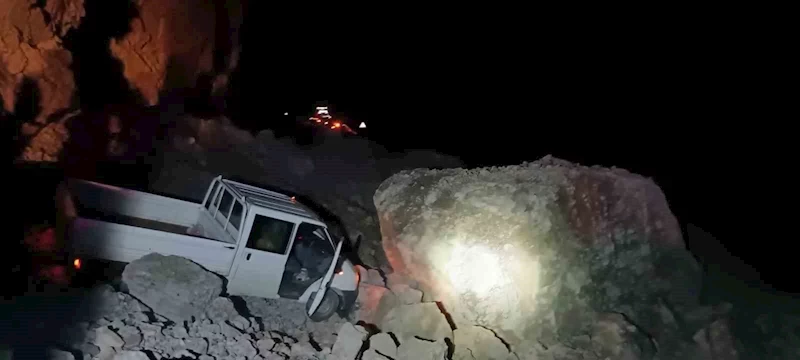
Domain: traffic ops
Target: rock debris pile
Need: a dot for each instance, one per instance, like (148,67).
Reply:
(122,327)
(172,309)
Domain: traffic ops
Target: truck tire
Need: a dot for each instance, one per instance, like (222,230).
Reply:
(326,309)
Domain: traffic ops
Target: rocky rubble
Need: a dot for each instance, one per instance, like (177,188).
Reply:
(121,327)
(117,325)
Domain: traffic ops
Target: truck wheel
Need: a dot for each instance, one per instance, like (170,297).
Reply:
(326,309)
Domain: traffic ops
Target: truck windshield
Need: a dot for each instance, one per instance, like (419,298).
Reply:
(312,248)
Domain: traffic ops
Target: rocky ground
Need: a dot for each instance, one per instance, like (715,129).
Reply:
(122,327)
(160,321)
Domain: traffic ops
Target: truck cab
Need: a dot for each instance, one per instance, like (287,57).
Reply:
(284,250)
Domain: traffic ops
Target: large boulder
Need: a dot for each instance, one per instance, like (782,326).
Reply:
(538,252)
(475,342)
(171,286)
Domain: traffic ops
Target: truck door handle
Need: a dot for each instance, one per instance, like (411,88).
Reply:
(248,256)
(229,247)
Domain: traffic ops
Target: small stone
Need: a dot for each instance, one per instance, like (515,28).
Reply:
(176,331)
(273,356)
(424,320)
(282,349)
(349,341)
(394,279)
(55,354)
(374,277)
(197,345)
(384,344)
(221,309)
(254,326)
(374,302)
(240,323)
(416,349)
(181,354)
(139,317)
(265,345)
(210,331)
(242,347)
(289,340)
(130,335)
(229,331)
(406,294)
(108,341)
(475,342)
(116,324)
(89,349)
(371,354)
(131,355)
(217,348)
(301,350)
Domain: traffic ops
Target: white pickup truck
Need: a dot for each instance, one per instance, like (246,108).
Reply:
(264,243)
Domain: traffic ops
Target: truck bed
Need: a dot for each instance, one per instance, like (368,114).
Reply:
(118,224)
(91,200)
(95,214)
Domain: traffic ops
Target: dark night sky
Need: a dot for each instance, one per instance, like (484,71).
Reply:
(640,107)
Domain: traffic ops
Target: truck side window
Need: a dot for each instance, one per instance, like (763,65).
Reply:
(211,195)
(314,237)
(236,215)
(269,234)
(225,203)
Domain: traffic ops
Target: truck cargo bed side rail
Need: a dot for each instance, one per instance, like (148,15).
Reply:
(225,207)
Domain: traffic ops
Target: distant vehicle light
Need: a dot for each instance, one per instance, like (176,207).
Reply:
(363,125)
(286,114)
(336,125)
(77,264)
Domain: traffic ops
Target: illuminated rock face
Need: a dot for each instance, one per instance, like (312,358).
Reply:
(30,47)
(539,252)
(171,43)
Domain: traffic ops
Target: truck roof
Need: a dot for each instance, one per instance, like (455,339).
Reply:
(256,196)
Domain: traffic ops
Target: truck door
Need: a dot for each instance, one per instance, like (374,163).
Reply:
(323,286)
(261,258)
